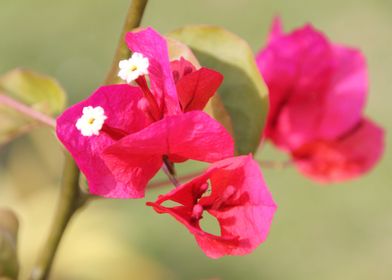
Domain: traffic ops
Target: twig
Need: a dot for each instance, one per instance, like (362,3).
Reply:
(26,110)
(275,164)
(133,19)
(68,204)
(170,171)
(180,179)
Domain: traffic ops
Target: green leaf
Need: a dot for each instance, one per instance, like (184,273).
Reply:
(242,101)
(178,50)
(9,265)
(40,92)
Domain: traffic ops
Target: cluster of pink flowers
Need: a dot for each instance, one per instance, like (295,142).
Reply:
(123,134)
(317,93)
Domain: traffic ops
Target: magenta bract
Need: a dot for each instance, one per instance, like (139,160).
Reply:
(136,158)
(153,46)
(234,192)
(120,103)
(317,94)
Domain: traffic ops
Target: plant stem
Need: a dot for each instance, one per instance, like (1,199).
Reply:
(275,164)
(172,178)
(69,202)
(26,110)
(179,180)
(263,163)
(71,197)
(133,19)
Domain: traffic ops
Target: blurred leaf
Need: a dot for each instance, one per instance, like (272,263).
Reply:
(242,103)
(178,49)
(40,92)
(9,266)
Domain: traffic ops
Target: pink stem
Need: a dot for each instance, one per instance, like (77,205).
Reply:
(27,111)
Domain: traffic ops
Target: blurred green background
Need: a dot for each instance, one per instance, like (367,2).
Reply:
(342,231)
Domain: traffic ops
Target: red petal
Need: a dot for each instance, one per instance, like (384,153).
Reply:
(136,158)
(195,89)
(180,68)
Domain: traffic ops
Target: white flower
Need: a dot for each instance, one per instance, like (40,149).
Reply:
(131,69)
(92,120)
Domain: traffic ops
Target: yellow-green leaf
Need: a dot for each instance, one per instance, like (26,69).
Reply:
(178,50)
(40,92)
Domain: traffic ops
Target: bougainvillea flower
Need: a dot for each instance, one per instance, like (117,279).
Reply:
(234,192)
(125,150)
(146,125)
(317,94)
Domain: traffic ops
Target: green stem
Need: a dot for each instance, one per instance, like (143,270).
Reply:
(270,164)
(180,180)
(69,202)
(170,171)
(133,19)
(71,197)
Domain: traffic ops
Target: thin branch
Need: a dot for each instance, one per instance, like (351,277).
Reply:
(69,202)
(26,110)
(275,164)
(171,177)
(181,180)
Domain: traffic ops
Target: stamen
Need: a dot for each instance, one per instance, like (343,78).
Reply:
(92,120)
(134,67)
(197,212)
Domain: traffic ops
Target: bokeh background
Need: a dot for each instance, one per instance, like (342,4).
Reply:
(342,231)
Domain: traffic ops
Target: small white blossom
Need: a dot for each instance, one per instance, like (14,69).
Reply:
(92,120)
(131,69)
